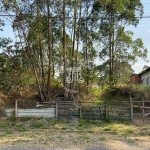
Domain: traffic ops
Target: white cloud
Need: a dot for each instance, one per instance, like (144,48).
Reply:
(139,66)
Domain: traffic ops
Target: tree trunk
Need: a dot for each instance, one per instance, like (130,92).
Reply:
(87,78)
(64,49)
(49,51)
(73,51)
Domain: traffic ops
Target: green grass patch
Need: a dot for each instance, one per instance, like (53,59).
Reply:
(8,132)
(128,131)
(103,139)
(25,119)
(3,135)
(22,129)
(45,127)
(80,128)
(96,123)
(84,122)
(130,141)
(83,137)
(64,128)
(112,128)
(5,125)
(107,129)
(13,124)
(37,124)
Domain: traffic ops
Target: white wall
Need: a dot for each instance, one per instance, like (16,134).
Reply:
(145,78)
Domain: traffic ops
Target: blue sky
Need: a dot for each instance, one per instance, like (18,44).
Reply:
(141,31)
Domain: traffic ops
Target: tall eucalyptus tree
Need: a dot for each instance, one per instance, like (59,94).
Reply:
(111,17)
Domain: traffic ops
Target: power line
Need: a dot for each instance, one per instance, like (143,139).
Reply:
(4,15)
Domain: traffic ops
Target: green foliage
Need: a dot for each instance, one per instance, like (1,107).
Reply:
(24,119)
(83,122)
(8,132)
(128,131)
(37,124)
(13,117)
(122,71)
(13,76)
(21,128)
(52,41)
(116,41)
(137,91)
(108,120)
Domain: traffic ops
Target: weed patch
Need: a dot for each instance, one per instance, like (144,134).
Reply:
(128,131)
(8,132)
(103,139)
(25,119)
(37,124)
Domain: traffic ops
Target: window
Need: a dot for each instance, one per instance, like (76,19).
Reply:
(148,81)
(143,81)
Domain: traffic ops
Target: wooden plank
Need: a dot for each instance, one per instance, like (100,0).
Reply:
(119,111)
(119,116)
(137,101)
(136,106)
(147,101)
(141,107)
(137,113)
(115,107)
(119,102)
(91,102)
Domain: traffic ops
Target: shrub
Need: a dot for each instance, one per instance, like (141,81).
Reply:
(136,91)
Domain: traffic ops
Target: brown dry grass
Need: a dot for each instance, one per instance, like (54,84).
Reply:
(34,133)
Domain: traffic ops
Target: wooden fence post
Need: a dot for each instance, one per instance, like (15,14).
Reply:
(56,110)
(143,109)
(80,112)
(16,108)
(131,108)
(106,109)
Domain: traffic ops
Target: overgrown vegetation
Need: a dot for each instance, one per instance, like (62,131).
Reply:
(136,91)
(49,44)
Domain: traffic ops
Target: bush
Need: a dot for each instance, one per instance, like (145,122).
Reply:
(2,106)
(136,91)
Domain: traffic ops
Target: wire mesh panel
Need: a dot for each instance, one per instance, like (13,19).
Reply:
(93,113)
(119,110)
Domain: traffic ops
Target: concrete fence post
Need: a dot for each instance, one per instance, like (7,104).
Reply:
(16,108)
